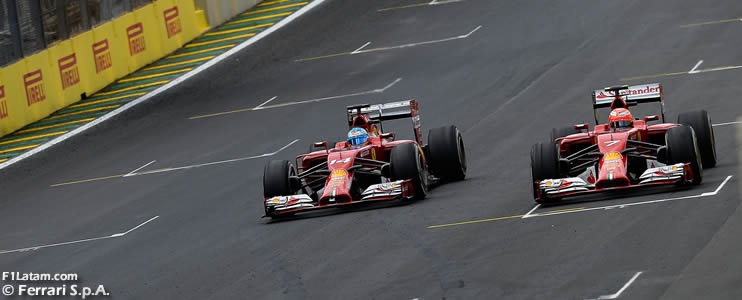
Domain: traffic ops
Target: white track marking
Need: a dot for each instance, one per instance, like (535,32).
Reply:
(530,211)
(464,36)
(717,69)
(618,294)
(359,49)
(115,235)
(440,2)
(727,123)
(266,102)
(718,188)
(376,91)
(714,193)
(216,162)
(137,169)
(167,86)
(693,71)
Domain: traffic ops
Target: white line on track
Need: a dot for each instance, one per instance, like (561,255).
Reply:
(167,86)
(717,69)
(693,71)
(458,37)
(727,123)
(137,169)
(535,207)
(376,91)
(115,235)
(440,2)
(214,163)
(359,49)
(266,102)
(707,194)
(618,294)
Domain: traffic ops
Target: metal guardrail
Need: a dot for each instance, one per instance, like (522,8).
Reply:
(29,26)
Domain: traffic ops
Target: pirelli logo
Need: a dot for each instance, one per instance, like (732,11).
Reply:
(172,21)
(136,39)
(3,104)
(68,71)
(34,87)
(102,56)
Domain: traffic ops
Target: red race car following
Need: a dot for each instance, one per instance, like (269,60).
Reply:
(625,153)
(370,166)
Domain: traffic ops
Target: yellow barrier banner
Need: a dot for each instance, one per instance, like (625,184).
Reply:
(43,83)
(66,69)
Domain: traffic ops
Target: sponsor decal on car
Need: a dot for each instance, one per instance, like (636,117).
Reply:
(633,90)
(338,173)
(612,156)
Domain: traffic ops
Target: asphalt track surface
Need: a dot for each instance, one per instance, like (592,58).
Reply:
(529,67)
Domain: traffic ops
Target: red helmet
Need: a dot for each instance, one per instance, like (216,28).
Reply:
(620,118)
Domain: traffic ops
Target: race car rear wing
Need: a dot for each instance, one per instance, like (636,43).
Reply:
(377,113)
(631,95)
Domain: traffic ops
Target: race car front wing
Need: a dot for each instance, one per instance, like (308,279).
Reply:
(572,186)
(377,192)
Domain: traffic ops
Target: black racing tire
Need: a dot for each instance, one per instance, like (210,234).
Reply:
(562,132)
(407,162)
(447,155)
(701,124)
(682,147)
(276,178)
(544,163)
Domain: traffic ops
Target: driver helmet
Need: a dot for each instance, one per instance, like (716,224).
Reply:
(357,137)
(620,118)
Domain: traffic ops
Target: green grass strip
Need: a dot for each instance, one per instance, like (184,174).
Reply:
(241,25)
(25,143)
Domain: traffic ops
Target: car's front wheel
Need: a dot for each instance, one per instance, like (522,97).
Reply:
(701,124)
(447,154)
(683,148)
(544,164)
(407,162)
(276,180)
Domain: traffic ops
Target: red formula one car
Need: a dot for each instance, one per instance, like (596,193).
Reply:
(625,153)
(381,169)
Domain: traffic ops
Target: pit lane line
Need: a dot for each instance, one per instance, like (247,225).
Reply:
(582,209)
(112,236)
(137,173)
(458,37)
(264,106)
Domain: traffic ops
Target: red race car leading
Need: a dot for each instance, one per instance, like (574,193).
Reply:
(626,152)
(369,166)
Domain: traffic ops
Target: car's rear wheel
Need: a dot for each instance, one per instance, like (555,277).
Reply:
(544,164)
(682,147)
(562,132)
(701,124)
(407,162)
(276,180)
(447,156)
